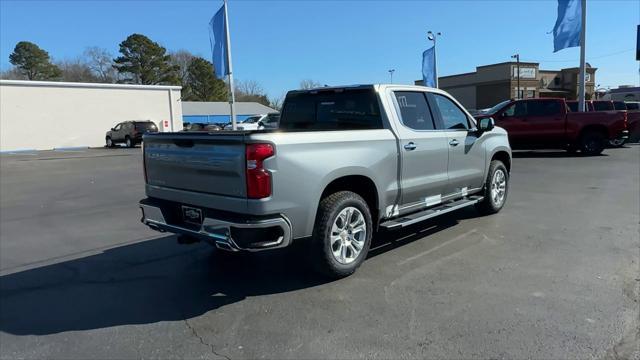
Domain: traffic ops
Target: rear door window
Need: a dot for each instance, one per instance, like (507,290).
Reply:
(414,110)
(452,116)
(632,105)
(619,105)
(334,109)
(602,105)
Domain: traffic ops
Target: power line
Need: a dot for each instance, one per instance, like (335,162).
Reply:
(591,57)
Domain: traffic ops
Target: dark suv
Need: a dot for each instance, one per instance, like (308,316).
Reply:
(129,133)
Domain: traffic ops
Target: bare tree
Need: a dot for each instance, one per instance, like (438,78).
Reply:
(249,87)
(276,102)
(250,91)
(76,70)
(182,58)
(12,74)
(307,84)
(101,64)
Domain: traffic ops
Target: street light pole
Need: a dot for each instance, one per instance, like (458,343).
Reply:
(432,37)
(391,74)
(517,57)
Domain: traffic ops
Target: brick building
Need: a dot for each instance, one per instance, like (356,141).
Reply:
(491,84)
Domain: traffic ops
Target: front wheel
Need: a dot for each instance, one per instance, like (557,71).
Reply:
(109,142)
(342,234)
(496,189)
(617,142)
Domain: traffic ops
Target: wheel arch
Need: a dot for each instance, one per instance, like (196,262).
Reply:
(594,128)
(503,156)
(362,185)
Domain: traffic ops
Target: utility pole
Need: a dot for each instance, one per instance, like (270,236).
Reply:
(232,99)
(517,57)
(391,74)
(433,37)
(583,36)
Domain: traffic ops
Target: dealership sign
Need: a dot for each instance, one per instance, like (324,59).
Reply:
(525,72)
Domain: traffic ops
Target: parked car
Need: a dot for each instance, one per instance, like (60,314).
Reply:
(129,133)
(632,105)
(257,122)
(633,118)
(271,121)
(200,127)
(547,123)
(344,162)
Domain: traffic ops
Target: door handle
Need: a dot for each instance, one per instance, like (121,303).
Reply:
(410,146)
(453,142)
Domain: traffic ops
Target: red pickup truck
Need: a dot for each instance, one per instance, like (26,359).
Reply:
(548,123)
(633,116)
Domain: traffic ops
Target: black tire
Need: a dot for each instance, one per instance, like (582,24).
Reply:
(617,143)
(321,255)
(592,143)
(130,143)
(109,142)
(489,205)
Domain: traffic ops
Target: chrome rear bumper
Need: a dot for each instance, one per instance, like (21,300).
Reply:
(219,232)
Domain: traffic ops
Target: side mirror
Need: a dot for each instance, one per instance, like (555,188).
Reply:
(113,129)
(486,124)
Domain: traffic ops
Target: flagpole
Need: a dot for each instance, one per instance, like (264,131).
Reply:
(582,90)
(232,100)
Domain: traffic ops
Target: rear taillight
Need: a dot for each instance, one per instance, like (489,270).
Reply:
(144,163)
(258,179)
(626,120)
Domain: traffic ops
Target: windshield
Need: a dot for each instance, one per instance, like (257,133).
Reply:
(495,108)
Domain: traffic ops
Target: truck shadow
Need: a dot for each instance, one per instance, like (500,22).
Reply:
(550,154)
(158,280)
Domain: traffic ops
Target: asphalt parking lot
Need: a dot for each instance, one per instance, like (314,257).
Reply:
(555,275)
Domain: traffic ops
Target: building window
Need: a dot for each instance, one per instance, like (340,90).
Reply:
(518,94)
(556,81)
(531,94)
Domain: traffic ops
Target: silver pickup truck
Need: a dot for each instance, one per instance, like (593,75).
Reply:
(344,163)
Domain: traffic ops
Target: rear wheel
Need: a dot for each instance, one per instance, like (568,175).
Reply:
(592,143)
(496,189)
(129,142)
(342,234)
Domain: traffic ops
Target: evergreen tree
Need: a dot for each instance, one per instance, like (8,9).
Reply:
(201,84)
(145,62)
(33,62)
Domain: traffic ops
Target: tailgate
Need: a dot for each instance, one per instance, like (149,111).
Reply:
(199,162)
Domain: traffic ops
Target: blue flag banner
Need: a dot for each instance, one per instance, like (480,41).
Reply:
(566,33)
(428,67)
(218,39)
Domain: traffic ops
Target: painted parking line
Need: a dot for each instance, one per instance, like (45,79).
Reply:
(427,252)
(77,149)
(29,152)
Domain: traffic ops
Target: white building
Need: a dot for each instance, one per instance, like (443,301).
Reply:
(46,115)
